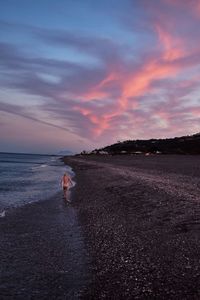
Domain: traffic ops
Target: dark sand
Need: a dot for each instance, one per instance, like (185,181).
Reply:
(132,231)
(141,221)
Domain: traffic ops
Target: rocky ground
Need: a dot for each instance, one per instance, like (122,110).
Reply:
(141,221)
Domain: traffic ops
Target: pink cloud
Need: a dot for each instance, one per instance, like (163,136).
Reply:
(134,84)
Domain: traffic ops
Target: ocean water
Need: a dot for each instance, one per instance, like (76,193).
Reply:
(26,178)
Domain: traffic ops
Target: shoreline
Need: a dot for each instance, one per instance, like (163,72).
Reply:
(142,240)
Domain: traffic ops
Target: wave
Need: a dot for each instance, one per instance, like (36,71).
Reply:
(20,162)
(2,214)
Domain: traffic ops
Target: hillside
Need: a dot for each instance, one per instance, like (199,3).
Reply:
(178,145)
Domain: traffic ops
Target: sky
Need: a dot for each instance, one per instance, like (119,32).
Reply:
(83,74)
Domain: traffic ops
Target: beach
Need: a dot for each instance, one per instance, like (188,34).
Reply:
(130,231)
(140,218)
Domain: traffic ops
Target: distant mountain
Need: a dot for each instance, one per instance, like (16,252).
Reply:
(65,153)
(178,145)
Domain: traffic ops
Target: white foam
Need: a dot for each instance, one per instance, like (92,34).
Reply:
(43,166)
(38,167)
(2,214)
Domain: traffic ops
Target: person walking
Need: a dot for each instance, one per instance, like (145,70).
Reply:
(66,182)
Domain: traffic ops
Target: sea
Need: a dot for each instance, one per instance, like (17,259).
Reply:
(27,178)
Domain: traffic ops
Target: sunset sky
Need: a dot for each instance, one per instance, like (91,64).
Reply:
(82,74)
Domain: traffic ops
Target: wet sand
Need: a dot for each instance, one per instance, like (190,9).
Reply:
(42,252)
(141,221)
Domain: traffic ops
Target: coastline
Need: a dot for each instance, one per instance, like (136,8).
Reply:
(141,228)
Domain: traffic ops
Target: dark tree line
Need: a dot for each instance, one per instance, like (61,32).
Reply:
(177,145)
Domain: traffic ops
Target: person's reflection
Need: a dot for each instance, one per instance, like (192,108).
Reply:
(65,193)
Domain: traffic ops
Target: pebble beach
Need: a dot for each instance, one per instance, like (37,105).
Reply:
(140,218)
